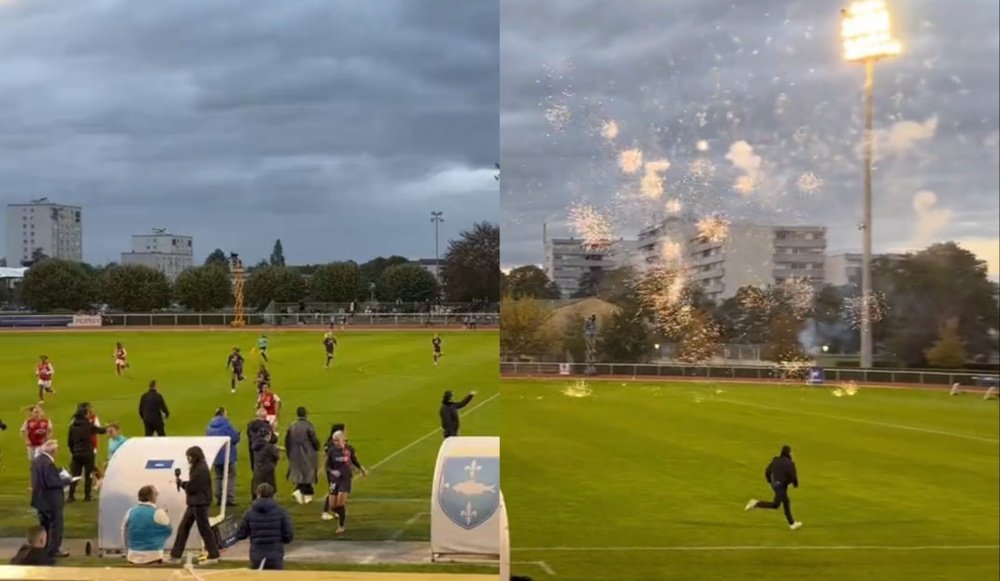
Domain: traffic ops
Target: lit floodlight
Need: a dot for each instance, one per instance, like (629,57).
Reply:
(867,31)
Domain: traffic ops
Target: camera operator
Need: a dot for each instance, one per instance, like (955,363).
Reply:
(198,489)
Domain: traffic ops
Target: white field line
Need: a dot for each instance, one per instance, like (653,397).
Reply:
(859,421)
(429,434)
(608,549)
(544,566)
(413,519)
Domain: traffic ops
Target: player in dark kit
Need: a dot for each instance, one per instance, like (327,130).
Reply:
(779,474)
(436,344)
(329,343)
(263,380)
(235,363)
(339,469)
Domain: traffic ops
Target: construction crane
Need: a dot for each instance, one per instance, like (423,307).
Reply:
(236,269)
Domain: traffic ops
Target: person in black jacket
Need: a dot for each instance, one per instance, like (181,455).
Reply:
(449,412)
(198,489)
(153,410)
(259,428)
(47,482)
(780,473)
(81,447)
(269,529)
(265,461)
(34,552)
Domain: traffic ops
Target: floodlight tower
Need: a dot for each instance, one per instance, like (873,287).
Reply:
(237,272)
(866,29)
(437,218)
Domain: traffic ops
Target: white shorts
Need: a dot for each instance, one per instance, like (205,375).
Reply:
(121,362)
(273,420)
(46,383)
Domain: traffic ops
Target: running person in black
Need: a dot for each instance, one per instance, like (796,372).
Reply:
(235,363)
(329,343)
(263,379)
(780,473)
(436,344)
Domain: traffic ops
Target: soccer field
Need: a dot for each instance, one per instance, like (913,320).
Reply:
(382,385)
(649,481)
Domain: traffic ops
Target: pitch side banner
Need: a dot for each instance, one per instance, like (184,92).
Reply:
(86,321)
(466,507)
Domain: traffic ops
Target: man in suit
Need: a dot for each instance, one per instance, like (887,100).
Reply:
(153,410)
(47,483)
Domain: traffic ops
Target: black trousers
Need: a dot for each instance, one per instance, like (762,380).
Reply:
(157,430)
(780,499)
(84,465)
(195,515)
(450,433)
(274,564)
(52,522)
(306,489)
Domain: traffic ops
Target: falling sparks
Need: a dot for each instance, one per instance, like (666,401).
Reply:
(713,228)
(578,388)
(652,180)
(673,207)
(757,299)
(743,158)
(854,309)
(745,185)
(558,116)
(809,183)
(671,252)
(800,294)
(702,145)
(630,160)
(593,227)
(847,388)
(794,368)
(701,169)
(609,130)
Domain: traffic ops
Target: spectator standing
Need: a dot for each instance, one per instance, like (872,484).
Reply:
(221,426)
(81,447)
(34,552)
(302,448)
(265,460)
(153,411)
(198,491)
(259,427)
(146,529)
(47,483)
(269,529)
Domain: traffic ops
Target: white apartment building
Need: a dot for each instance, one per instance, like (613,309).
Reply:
(54,229)
(567,259)
(431,265)
(844,268)
(168,253)
(749,254)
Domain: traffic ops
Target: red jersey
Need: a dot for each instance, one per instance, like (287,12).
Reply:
(94,421)
(121,354)
(269,402)
(44,371)
(37,431)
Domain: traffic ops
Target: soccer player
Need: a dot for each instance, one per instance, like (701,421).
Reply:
(779,474)
(44,372)
(354,462)
(235,363)
(436,344)
(121,359)
(271,404)
(37,429)
(340,470)
(262,347)
(329,343)
(263,380)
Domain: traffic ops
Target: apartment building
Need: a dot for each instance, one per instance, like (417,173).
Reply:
(844,268)
(171,254)
(55,230)
(567,259)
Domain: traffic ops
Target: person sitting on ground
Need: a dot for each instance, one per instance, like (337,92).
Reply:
(146,529)
(269,529)
(35,552)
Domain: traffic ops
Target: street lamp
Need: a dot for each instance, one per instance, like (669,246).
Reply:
(437,218)
(867,34)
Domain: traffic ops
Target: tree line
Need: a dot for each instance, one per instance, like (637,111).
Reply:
(470,263)
(933,308)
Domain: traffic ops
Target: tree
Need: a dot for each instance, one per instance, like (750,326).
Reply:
(409,283)
(574,341)
(472,265)
(277,254)
(38,255)
(744,317)
(523,326)
(626,339)
(589,283)
(371,271)
(135,288)
(204,288)
(217,257)
(701,338)
(783,339)
(57,284)
(337,282)
(274,283)
(948,352)
(529,281)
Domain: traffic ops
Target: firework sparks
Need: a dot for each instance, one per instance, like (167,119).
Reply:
(630,160)
(702,146)
(809,183)
(671,252)
(609,130)
(652,180)
(588,223)
(558,116)
(800,294)
(847,388)
(578,388)
(854,308)
(673,206)
(757,299)
(701,169)
(745,185)
(713,228)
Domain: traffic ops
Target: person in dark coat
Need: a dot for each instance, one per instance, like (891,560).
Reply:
(302,448)
(198,489)
(259,427)
(269,529)
(81,447)
(34,552)
(780,473)
(449,412)
(47,482)
(265,461)
(153,410)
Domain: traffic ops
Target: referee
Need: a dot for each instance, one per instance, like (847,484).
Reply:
(780,473)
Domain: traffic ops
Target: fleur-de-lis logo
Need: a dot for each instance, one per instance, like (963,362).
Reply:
(468,490)
(473,468)
(469,513)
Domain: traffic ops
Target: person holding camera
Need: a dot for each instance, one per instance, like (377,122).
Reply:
(198,489)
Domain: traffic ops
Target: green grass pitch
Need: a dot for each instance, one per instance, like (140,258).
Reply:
(382,384)
(649,481)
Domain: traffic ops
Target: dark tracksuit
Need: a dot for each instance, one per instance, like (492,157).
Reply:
(269,529)
(83,460)
(153,410)
(258,428)
(265,461)
(780,473)
(198,490)
(449,415)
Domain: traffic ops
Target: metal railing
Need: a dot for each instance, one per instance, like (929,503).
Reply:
(253,319)
(754,373)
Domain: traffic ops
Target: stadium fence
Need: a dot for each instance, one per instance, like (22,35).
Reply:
(252,319)
(755,372)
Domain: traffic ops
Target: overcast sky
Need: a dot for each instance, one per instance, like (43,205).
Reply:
(673,73)
(335,125)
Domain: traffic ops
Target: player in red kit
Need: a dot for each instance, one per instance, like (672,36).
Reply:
(271,404)
(36,430)
(44,373)
(121,359)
